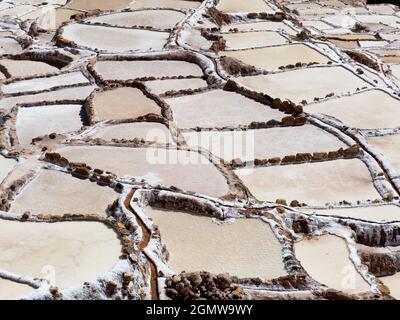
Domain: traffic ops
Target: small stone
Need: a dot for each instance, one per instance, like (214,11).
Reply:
(295,203)
(281,210)
(111,287)
(53,290)
(281,201)
(26,215)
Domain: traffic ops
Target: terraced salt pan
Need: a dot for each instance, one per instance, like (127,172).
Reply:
(253,39)
(264,143)
(389,147)
(388,20)
(53,19)
(369,110)
(26,68)
(6,166)
(260,26)
(277,56)
(5,33)
(17,10)
(39,84)
(340,20)
(89,249)
(236,6)
(183,169)
(219,108)
(114,39)
(375,213)
(9,46)
(163,86)
(5,5)
(395,70)
(149,131)
(176,4)
(393,283)
(381,9)
(317,11)
(314,183)
(123,103)
(127,70)
(76,93)
(343,44)
(37,12)
(305,84)
(326,259)
(67,194)
(195,39)
(159,19)
(101,5)
(10,290)
(245,248)
(317,24)
(33,122)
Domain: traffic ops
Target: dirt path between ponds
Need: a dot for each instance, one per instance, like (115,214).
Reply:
(146,235)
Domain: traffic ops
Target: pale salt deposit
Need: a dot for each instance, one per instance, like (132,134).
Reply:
(226,108)
(148,131)
(139,4)
(101,5)
(277,56)
(126,70)
(260,26)
(6,166)
(33,249)
(37,121)
(10,290)
(123,103)
(67,194)
(393,283)
(264,143)
(39,84)
(245,40)
(76,93)
(233,6)
(326,259)
(337,180)
(305,84)
(238,248)
(389,147)
(163,86)
(159,19)
(368,110)
(183,169)
(26,68)
(114,39)
(375,213)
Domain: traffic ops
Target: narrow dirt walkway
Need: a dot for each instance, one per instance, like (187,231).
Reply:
(146,235)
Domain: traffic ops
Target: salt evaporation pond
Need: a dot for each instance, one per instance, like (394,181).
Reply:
(326,259)
(33,249)
(305,84)
(219,108)
(264,143)
(67,194)
(314,183)
(123,103)
(183,169)
(245,248)
(37,121)
(114,39)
